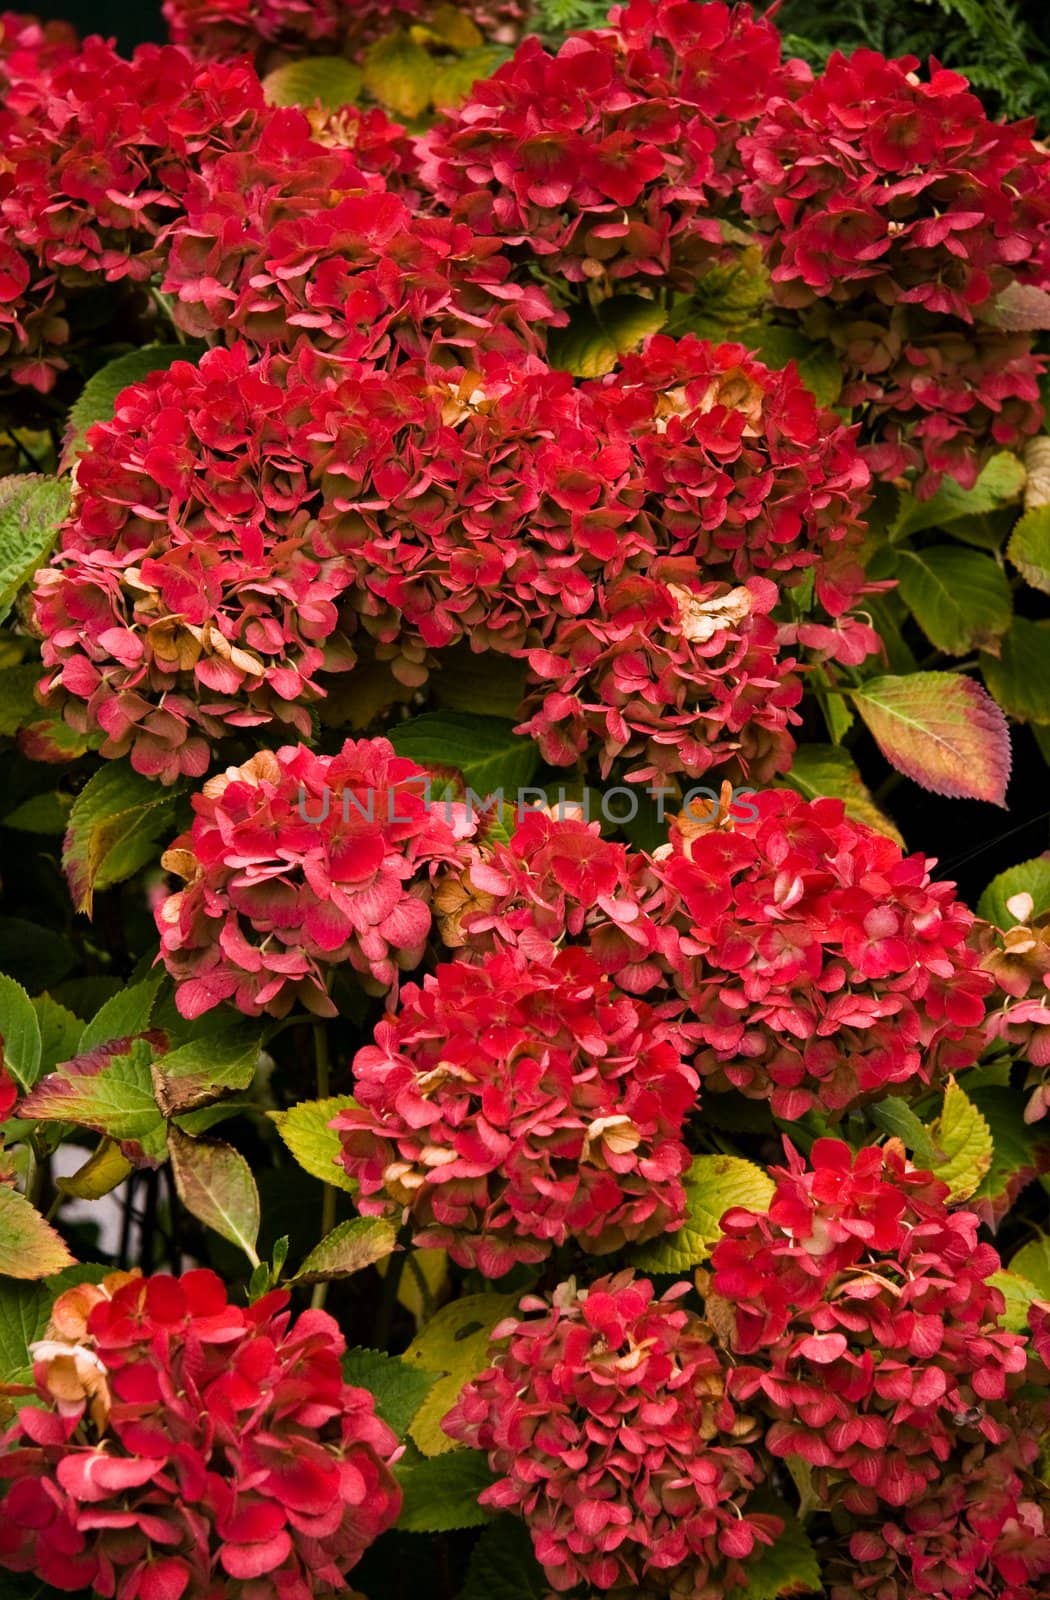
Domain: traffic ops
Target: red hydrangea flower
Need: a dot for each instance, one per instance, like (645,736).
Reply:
(29,48)
(557,881)
(671,674)
(289,237)
(866,1328)
(741,468)
(509,1106)
(296,863)
(901,199)
(981,1531)
(190,593)
(606,1418)
(820,964)
(101,158)
(1018,959)
(603,160)
(186,1448)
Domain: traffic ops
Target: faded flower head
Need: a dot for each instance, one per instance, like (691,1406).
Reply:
(606,1419)
(820,964)
(185,1448)
(510,1106)
(296,863)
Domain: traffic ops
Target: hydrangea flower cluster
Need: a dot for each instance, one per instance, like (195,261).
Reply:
(191,593)
(98,153)
(288,238)
(237,521)
(297,863)
(604,160)
(607,1421)
(183,1444)
(820,964)
(866,1329)
(897,202)
(509,1106)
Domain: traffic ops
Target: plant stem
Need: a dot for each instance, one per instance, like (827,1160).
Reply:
(330,1197)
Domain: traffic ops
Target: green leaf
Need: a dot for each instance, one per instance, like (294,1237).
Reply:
(398,1389)
(330,81)
(1029,547)
(713,1186)
(20,1032)
(818,366)
(1018,1155)
(454,77)
(32,509)
(503,1565)
(398,73)
(215,1184)
(1018,1293)
(29,1246)
(454,1346)
(896,1117)
(109,1092)
(960,598)
(60,1032)
(442,1493)
(485,751)
(124,1015)
(1028,877)
(98,399)
(1000,483)
(963,1143)
(827,770)
(942,730)
(304,1129)
(349,1248)
(114,825)
(18,703)
(208,1066)
(1019,678)
(788,1566)
(44,813)
(596,337)
(1032,1261)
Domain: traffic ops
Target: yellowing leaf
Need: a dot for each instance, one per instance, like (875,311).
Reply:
(29,1246)
(455,1346)
(304,1129)
(942,730)
(963,1141)
(713,1186)
(1029,547)
(103,1171)
(114,825)
(110,1090)
(215,1184)
(330,81)
(398,73)
(452,27)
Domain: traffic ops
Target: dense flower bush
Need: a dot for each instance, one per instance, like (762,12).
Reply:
(172,1421)
(607,1420)
(496,521)
(296,863)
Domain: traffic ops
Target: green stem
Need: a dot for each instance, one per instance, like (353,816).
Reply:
(330,1197)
